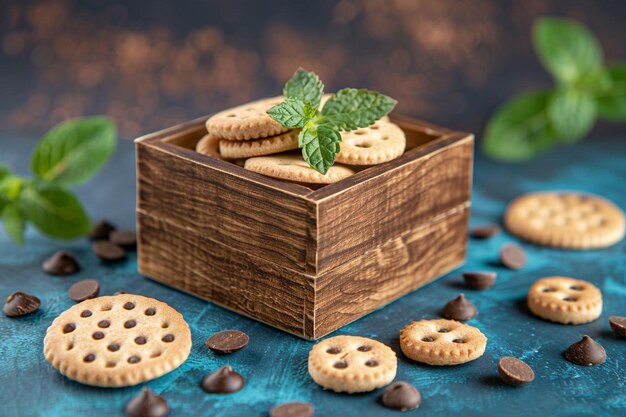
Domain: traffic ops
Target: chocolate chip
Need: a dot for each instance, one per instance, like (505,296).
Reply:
(223,381)
(86,313)
(104,324)
(292,410)
(113,347)
(458,341)
(141,340)
(460,309)
(341,364)
(20,304)
(168,338)
(89,358)
(107,251)
(84,290)
(514,371)
(444,330)
(618,324)
(401,396)
(150,311)
(69,328)
(134,359)
(147,404)
(120,292)
(485,232)
(98,335)
(479,280)
(124,238)
(428,339)
(364,348)
(513,256)
(586,352)
(101,230)
(227,341)
(129,306)
(129,324)
(61,263)
(333,350)
(371,363)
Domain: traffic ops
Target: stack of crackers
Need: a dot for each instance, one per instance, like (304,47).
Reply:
(248,136)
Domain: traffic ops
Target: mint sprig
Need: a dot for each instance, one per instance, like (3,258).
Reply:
(320,137)
(585,89)
(69,154)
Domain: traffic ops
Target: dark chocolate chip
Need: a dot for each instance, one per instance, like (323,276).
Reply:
(89,358)
(458,341)
(69,328)
(341,364)
(428,339)
(371,363)
(86,313)
(223,381)
(618,324)
(168,338)
(141,340)
(113,347)
(20,304)
(479,280)
(460,309)
(124,238)
(129,306)
(107,251)
(401,396)
(101,230)
(485,232)
(586,352)
(134,359)
(513,256)
(147,404)
(333,350)
(84,290)
(514,371)
(364,348)
(61,263)
(129,324)
(292,410)
(444,330)
(150,311)
(228,341)
(104,324)
(98,335)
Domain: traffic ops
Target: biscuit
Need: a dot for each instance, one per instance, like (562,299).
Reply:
(565,220)
(248,121)
(442,342)
(209,146)
(352,364)
(117,341)
(565,300)
(378,143)
(235,149)
(294,168)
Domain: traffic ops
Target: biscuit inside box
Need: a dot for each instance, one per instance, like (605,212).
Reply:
(305,260)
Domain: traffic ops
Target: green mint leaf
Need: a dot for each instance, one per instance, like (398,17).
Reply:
(352,108)
(572,114)
(292,113)
(305,86)
(11,187)
(55,211)
(566,48)
(74,151)
(520,129)
(320,145)
(611,104)
(4,171)
(595,82)
(13,220)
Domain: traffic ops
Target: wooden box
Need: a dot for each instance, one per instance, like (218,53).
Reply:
(302,260)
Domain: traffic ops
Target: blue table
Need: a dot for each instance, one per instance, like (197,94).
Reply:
(274,363)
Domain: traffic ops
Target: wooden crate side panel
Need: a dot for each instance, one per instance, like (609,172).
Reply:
(362,285)
(371,213)
(231,210)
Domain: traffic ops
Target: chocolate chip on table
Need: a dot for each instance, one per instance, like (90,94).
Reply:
(147,404)
(20,304)
(586,352)
(101,230)
(618,324)
(401,396)
(107,251)
(61,263)
(515,372)
(292,410)
(479,280)
(513,256)
(126,239)
(223,381)
(486,231)
(460,309)
(227,341)
(84,290)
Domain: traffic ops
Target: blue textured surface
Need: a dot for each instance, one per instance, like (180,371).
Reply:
(274,363)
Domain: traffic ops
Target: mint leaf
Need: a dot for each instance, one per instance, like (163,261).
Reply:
(304,86)
(292,113)
(11,187)
(75,150)
(13,220)
(611,104)
(320,145)
(55,212)
(4,171)
(566,48)
(520,129)
(351,109)
(572,114)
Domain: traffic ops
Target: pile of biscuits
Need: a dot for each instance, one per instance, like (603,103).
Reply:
(248,136)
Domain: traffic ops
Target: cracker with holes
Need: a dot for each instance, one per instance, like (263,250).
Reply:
(245,122)
(565,300)
(117,341)
(565,220)
(352,364)
(294,168)
(209,146)
(442,342)
(378,143)
(236,149)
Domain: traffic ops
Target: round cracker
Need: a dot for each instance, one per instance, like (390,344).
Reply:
(233,149)
(294,168)
(209,146)
(378,143)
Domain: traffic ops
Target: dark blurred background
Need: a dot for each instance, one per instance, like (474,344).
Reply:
(154,63)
